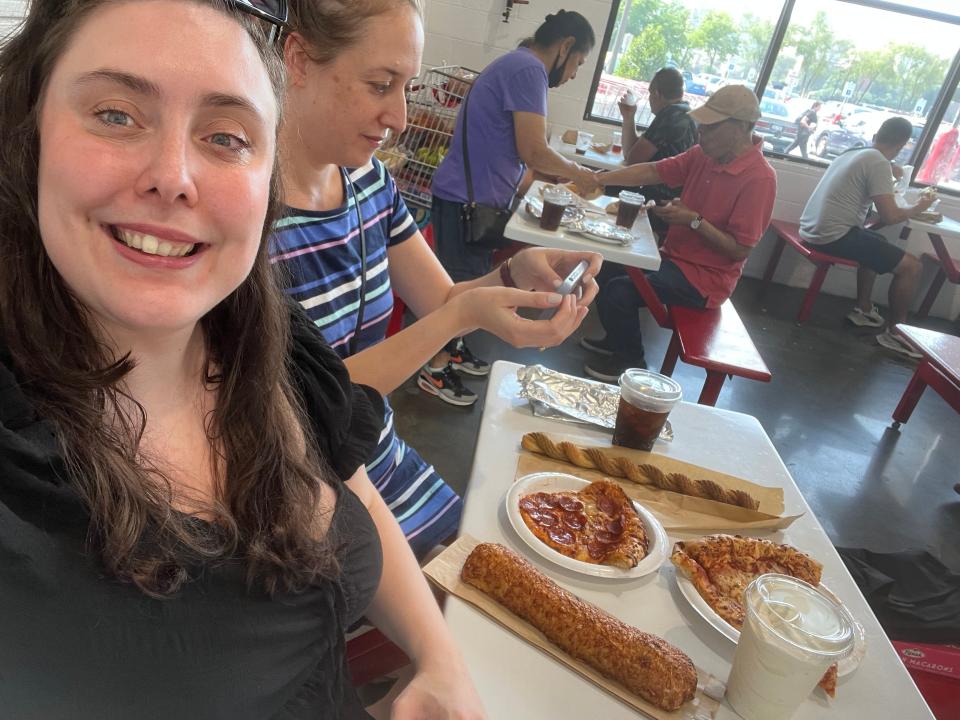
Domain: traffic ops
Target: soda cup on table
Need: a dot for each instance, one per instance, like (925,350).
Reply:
(555,202)
(631,203)
(616,142)
(646,399)
(791,635)
(584,140)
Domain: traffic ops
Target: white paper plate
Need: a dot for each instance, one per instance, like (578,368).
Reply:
(557,482)
(689,592)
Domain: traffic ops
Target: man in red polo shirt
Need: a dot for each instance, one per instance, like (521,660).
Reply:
(725,206)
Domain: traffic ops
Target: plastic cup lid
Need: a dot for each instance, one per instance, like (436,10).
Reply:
(633,198)
(651,388)
(557,195)
(800,615)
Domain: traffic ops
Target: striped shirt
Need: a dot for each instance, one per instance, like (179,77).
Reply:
(319,253)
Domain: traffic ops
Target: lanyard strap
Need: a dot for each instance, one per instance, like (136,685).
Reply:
(352,344)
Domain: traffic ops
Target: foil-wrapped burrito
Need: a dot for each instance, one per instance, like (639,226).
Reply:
(573,399)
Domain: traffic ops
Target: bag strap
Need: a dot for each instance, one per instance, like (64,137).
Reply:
(466,158)
(466,151)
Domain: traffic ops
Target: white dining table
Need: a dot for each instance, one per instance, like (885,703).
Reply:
(516,680)
(641,252)
(604,161)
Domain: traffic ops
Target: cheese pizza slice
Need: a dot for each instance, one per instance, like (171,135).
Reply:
(721,566)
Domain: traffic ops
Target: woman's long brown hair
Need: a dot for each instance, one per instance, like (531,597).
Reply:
(268,485)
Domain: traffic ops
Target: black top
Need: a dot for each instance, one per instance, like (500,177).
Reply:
(812,120)
(672,132)
(75,644)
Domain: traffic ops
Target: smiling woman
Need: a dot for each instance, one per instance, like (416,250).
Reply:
(186,528)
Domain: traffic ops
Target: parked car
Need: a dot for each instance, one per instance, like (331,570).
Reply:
(693,86)
(777,128)
(858,130)
(711,82)
(836,138)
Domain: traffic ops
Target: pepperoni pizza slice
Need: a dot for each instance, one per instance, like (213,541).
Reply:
(597,525)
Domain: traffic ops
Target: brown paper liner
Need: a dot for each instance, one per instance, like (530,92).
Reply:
(444,570)
(678,513)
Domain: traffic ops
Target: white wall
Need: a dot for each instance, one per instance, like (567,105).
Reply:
(10,13)
(472,33)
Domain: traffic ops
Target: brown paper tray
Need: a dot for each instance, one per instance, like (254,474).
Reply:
(678,513)
(444,570)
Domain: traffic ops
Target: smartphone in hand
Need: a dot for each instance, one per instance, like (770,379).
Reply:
(569,285)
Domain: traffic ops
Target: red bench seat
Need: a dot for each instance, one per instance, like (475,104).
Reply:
(939,369)
(789,233)
(717,341)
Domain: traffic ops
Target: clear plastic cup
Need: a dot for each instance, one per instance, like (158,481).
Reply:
(555,202)
(646,399)
(616,142)
(631,203)
(584,140)
(792,634)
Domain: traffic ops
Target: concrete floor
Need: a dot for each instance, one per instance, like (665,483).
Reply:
(827,411)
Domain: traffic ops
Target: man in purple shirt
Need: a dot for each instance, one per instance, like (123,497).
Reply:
(505,115)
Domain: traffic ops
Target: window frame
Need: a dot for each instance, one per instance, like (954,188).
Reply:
(939,108)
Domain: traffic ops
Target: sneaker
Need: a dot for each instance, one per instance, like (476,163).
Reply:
(892,342)
(446,385)
(866,319)
(465,361)
(600,346)
(609,369)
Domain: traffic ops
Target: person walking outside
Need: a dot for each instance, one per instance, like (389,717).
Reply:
(806,124)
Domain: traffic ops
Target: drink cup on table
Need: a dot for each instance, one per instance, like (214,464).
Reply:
(792,634)
(555,202)
(631,204)
(584,139)
(646,399)
(616,143)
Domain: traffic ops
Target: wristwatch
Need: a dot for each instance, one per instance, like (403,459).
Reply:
(695,223)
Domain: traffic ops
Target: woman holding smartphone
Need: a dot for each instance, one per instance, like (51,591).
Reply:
(347,241)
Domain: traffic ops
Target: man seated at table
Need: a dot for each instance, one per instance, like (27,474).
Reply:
(726,204)
(832,222)
(672,132)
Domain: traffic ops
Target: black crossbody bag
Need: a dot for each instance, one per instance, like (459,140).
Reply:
(481,226)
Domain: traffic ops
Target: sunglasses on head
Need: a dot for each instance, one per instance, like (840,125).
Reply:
(273,11)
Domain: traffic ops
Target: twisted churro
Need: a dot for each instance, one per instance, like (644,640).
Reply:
(642,474)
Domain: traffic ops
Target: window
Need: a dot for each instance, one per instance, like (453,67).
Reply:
(864,61)
(942,163)
(865,65)
(710,43)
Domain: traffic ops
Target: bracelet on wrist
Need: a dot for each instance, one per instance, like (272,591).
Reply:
(505,277)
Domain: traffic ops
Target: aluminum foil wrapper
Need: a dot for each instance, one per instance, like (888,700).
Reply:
(572,399)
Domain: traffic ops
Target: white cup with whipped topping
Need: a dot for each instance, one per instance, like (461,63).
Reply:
(791,635)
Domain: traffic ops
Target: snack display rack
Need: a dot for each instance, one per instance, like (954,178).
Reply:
(433,101)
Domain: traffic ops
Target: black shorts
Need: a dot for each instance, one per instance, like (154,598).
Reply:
(870,249)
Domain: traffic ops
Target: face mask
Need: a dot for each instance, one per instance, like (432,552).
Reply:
(555,76)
